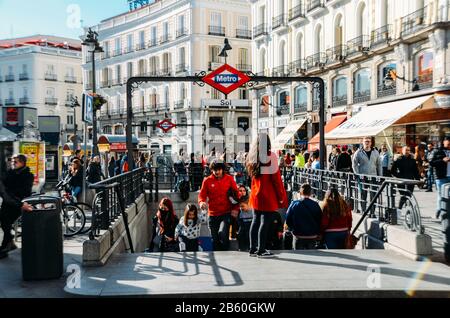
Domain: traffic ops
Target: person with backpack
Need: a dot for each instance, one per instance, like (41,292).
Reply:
(303,219)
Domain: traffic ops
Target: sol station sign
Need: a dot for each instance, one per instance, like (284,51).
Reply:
(226,79)
(165,125)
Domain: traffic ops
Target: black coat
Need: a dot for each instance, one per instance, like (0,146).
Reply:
(405,168)
(17,185)
(344,162)
(77,179)
(437,161)
(94,172)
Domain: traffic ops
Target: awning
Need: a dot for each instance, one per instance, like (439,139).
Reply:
(372,120)
(286,134)
(313,144)
(116,143)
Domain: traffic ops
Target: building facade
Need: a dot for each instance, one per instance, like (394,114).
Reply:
(173,38)
(368,52)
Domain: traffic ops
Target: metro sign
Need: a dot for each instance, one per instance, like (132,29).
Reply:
(166,125)
(226,79)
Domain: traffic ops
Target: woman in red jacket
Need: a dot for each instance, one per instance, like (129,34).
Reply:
(336,220)
(267,193)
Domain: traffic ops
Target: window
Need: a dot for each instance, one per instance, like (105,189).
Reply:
(10,70)
(243,93)
(181,19)
(50,92)
(118,73)
(383,71)
(216,122)
(165,30)
(130,69)
(141,39)
(24,68)
(25,92)
(50,69)
(69,71)
(284,98)
(154,35)
(340,87)
(362,81)
(70,94)
(154,123)
(11,93)
(216,19)
(243,23)
(117,46)
(182,93)
(338,31)
(69,119)
(141,66)
(318,43)
(243,59)
(106,47)
(301,95)
(423,70)
(214,51)
(362,23)
(154,65)
(215,94)
(143,127)
(129,42)
(181,56)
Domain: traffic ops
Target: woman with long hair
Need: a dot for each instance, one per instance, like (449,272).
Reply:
(164,224)
(336,220)
(76,179)
(267,193)
(187,231)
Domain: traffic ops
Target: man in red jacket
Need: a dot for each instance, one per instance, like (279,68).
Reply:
(217,189)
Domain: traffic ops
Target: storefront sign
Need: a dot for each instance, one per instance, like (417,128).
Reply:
(118,147)
(36,161)
(103,148)
(226,79)
(225,103)
(12,116)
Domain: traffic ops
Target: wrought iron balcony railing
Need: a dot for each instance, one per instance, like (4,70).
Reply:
(70,79)
(384,90)
(300,107)
(414,22)
(243,34)
(24,101)
(23,77)
(260,30)
(216,30)
(359,44)
(297,12)
(316,60)
(381,35)
(182,32)
(279,21)
(51,77)
(339,100)
(298,66)
(51,101)
(361,96)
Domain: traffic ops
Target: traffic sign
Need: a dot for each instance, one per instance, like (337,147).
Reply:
(166,125)
(226,79)
(88,109)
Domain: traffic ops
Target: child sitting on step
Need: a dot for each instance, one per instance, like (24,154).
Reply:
(188,229)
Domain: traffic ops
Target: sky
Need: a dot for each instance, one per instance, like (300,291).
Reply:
(54,17)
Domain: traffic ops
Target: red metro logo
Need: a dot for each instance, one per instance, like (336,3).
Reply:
(226,79)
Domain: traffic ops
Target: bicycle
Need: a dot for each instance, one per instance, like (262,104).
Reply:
(73,213)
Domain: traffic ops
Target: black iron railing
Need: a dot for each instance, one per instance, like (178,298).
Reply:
(51,77)
(24,101)
(51,101)
(243,34)
(181,32)
(298,66)
(260,29)
(316,60)
(112,198)
(165,71)
(9,78)
(336,54)
(359,44)
(300,107)
(282,70)
(361,96)
(413,22)
(152,43)
(384,90)
(216,30)
(23,77)
(70,79)
(279,21)
(140,46)
(392,202)
(424,81)
(297,12)
(314,4)
(339,100)
(244,67)
(164,39)
(180,68)
(381,35)
(10,101)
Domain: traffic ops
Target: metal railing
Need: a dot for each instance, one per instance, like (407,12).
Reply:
(51,101)
(260,29)
(140,46)
(314,4)
(413,22)
(165,71)
(381,35)
(298,66)
(282,70)
(244,67)
(70,79)
(243,34)
(339,101)
(9,78)
(216,30)
(10,101)
(51,77)
(300,107)
(180,68)
(361,96)
(24,101)
(279,21)
(386,199)
(297,12)
(384,90)
(112,198)
(336,54)
(179,104)
(164,39)
(23,77)
(359,44)
(152,43)
(316,60)
(425,81)
(283,109)
(181,32)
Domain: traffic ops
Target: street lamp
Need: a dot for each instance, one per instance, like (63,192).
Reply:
(226,47)
(74,104)
(91,41)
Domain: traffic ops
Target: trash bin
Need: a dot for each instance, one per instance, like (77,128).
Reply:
(42,239)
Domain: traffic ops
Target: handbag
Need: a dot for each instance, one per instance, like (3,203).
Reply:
(351,241)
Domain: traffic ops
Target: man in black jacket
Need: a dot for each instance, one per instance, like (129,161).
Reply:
(16,186)
(405,167)
(441,163)
(344,161)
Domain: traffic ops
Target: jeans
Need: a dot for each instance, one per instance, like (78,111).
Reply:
(439,185)
(243,235)
(304,244)
(8,215)
(259,230)
(178,180)
(335,240)
(75,192)
(220,231)
(430,178)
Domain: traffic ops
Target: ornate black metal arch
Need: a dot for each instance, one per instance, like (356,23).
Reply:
(134,83)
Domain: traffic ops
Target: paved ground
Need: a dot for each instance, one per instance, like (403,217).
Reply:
(335,271)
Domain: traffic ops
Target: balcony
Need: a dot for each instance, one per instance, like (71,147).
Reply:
(300,107)
(164,39)
(9,78)
(384,90)
(424,81)
(117,52)
(181,68)
(165,71)
(315,7)
(361,96)
(179,104)
(152,43)
(339,101)
(243,34)
(381,36)
(279,21)
(414,22)
(297,12)
(116,82)
(106,55)
(24,101)
(181,32)
(51,77)
(23,77)
(298,66)
(357,45)
(105,84)
(336,54)
(260,30)
(68,102)
(70,79)
(140,46)
(216,30)
(162,106)
(280,71)
(128,49)
(316,60)
(51,101)
(334,2)
(244,67)
(10,102)
(283,109)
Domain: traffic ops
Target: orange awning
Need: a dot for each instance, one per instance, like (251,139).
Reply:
(313,143)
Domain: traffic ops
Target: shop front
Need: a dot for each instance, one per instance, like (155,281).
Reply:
(288,138)
(314,142)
